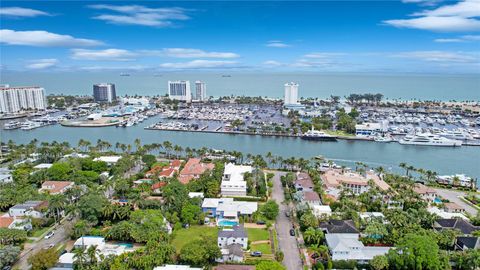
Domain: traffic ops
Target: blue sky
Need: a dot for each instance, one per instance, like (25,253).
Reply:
(422,36)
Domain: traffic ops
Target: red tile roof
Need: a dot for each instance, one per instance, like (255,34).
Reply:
(166,173)
(195,168)
(175,163)
(158,185)
(311,196)
(5,221)
(55,187)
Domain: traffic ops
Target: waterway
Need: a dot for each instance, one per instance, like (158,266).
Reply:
(444,160)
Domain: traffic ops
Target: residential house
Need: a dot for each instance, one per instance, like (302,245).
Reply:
(6,221)
(460,180)
(322,211)
(227,208)
(339,226)
(455,223)
(193,169)
(233,183)
(192,195)
(452,207)
(88,241)
(42,166)
(232,243)
(32,209)
(371,216)
(176,267)
(5,176)
(157,187)
(346,246)
(311,198)
(467,242)
(56,187)
(303,182)
(444,214)
(164,171)
(234,267)
(335,179)
(110,160)
(427,194)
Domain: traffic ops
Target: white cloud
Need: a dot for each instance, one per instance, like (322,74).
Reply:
(272,63)
(42,63)
(461,16)
(100,68)
(448,40)
(422,2)
(43,39)
(471,37)
(105,55)
(22,12)
(323,55)
(141,15)
(441,56)
(277,44)
(189,53)
(201,64)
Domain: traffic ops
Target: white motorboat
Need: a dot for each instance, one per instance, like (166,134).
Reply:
(383,139)
(315,135)
(428,139)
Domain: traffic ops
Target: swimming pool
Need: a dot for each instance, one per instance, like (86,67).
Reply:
(126,245)
(437,200)
(229,223)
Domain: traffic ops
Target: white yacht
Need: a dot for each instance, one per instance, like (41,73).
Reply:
(456,135)
(316,135)
(428,139)
(384,139)
(29,125)
(12,125)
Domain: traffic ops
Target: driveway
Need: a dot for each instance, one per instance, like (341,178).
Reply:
(453,196)
(287,243)
(59,237)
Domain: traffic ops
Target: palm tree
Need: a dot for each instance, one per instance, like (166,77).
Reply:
(80,257)
(56,205)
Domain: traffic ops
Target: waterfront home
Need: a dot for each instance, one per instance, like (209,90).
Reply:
(56,187)
(334,180)
(452,207)
(339,226)
(176,267)
(345,246)
(233,183)
(162,171)
(456,180)
(110,160)
(34,209)
(370,129)
(5,176)
(193,169)
(232,242)
(303,182)
(427,194)
(467,242)
(227,208)
(6,221)
(455,223)
(322,211)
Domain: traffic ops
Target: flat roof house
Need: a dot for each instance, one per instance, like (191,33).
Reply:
(5,176)
(227,208)
(347,247)
(110,160)
(233,183)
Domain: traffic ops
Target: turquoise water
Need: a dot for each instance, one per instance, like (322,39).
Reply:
(126,245)
(443,160)
(322,85)
(229,223)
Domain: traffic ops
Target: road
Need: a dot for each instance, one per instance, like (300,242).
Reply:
(287,243)
(453,196)
(59,237)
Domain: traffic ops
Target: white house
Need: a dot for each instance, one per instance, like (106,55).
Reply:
(88,241)
(462,179)
(322,210)
(110,160)
(232,243)
(233,183)
(29,209)
(176,267)
(227,208)
(369,129)
(43,166)
(346,246)
(6,221)
(5,176)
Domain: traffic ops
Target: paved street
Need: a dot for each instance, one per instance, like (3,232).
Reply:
(453,196)
(59,238)
(288,244)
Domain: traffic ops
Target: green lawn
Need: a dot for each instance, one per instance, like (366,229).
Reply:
(183,236)
(39,232)
(255,234)
(264,248)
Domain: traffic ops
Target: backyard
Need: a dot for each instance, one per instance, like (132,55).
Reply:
(183,236)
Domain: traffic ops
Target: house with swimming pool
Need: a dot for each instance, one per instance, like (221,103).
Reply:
(226,209)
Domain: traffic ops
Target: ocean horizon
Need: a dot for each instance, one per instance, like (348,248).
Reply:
(443,87)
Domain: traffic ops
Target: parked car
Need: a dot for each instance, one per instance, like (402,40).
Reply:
(287,214)
(48,246)
(292,232)
(49,235)
(261,222)
(256,254)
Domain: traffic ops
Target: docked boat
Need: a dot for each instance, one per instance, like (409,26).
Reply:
(455,135)
(12,125)
(428,139)
(29,125)
(316,135)
(383,139)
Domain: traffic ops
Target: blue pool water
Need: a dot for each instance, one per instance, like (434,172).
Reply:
(437,200)
(230,223)
(127,245)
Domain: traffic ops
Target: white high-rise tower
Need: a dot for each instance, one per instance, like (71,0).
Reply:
(291,94)
(179,90)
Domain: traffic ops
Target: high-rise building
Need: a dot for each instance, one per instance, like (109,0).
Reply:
(291,94)
(15,99)
(179,90)
(104,92)
(200,93)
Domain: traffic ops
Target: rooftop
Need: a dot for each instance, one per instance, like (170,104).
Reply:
(339,226)
(236,232)
(422,189)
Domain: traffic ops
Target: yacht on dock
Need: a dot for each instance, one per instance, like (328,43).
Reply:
(29,125)
(12,125)
(428,139)
(384,139)
(316,135)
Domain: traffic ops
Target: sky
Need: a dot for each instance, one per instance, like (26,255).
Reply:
(419,36)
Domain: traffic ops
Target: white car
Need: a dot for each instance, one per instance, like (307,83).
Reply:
(49,235)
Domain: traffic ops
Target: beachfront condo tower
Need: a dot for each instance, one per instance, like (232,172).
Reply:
(179,90)
(104,92)
(200,93)
(291,94)
(15,99)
